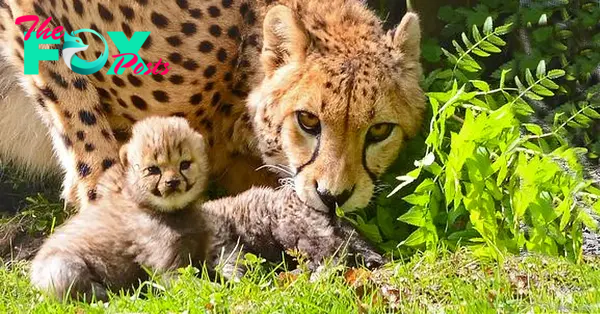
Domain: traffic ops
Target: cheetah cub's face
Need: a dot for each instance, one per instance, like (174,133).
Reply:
(167,163)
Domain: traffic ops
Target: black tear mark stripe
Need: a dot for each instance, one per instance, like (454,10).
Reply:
(313,157)
(187,182)
(157,183)
(364,163)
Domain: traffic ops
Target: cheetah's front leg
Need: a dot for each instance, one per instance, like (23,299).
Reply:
(81,134)
(69,104)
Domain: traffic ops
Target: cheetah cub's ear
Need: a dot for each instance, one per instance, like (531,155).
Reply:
(285,39)
(407,38)
(123,155)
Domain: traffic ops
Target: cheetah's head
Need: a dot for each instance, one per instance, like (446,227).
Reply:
(166,162)
(339,98)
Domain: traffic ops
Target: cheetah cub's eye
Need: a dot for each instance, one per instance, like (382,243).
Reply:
(153,170)
(308,122)
(185,165)
(379,132)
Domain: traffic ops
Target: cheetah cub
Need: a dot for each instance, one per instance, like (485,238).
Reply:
(268,222)
(146,217)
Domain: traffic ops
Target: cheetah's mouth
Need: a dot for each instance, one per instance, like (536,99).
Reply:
(170,192)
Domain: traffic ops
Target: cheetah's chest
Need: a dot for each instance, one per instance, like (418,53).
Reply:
(206,44)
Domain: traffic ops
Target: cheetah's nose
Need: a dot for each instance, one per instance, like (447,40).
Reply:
(173,184)
(331,201)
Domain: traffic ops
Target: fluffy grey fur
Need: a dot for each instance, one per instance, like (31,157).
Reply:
(268,222)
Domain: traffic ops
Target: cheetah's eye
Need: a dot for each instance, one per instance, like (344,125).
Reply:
(309,122)
(185,165)
(153,170)
(379,132)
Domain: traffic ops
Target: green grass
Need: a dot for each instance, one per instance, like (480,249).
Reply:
(431,282)
(436,282)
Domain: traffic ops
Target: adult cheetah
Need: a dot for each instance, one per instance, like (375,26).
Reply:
(314,88)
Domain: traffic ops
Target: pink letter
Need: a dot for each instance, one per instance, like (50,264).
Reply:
(28,18)
(149,71)
(129,64)
(166,69)
(42,30)
(138,69)
(57,31)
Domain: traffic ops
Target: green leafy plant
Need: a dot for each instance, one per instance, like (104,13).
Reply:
(490,179)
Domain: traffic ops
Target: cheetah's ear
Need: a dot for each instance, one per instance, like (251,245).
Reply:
(407,37)
(123,155)
(285,39)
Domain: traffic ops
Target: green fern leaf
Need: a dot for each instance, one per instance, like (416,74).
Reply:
(556,73)
(488,26)
(541,69)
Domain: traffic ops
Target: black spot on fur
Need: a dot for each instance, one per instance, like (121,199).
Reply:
(58,79)
(92,195)
(190,65)
(234,32)
(103,93)
(89,147)
(159,20)
(210,71)
(48,93)
(107,163)
(209,86)
(139,102)
(161,96)
(196,13)
(106,108)
(158,78)
(80,83)
(215,30)
(106,134)
(99,76)
(67,141)
(176,79)
(84,169)
(78,6)
(222,55)
(205,46)
(87,117)
(196,99)
(183,4)
(41,102)
(215,99)
(105,14)
(175,57)
(80,135)
(188,29)
(122,103)
(127,11)
(134,80)
(147,44)
(126,30)
(129,117)
(118,81)
(174,41)
(226,109)
(227,3)
(214,11)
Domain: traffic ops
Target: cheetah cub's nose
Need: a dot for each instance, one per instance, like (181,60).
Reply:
(173,183)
